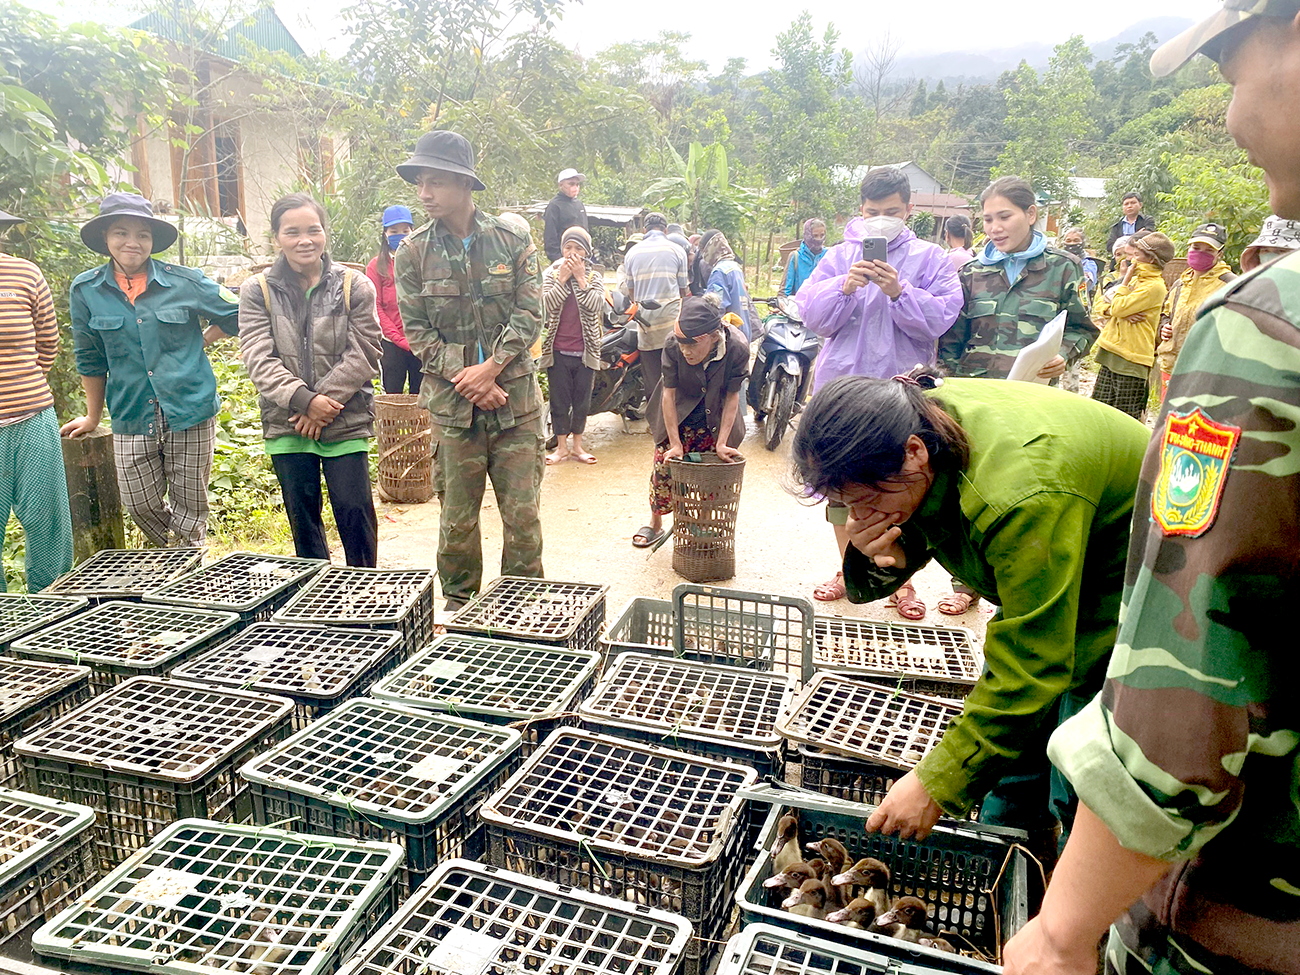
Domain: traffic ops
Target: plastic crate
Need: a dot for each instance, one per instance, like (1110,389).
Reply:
(118,640)
(21,613)
(762,949)
(952,870)
(854,717)
(376,599)
(254,586)
(727,713)
(763,622)
(530,686)
(569,614)
(125,573)
(152,751)
(208,897)
(470,917)
(650,625)
(315,667)
(32,695)
(849,778)
(47,860)
(938,660)
(652,826)
(376,770)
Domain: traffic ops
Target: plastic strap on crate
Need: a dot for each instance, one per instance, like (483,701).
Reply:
(21,613)
(472,918)
(118,572)
(540,608)
(383,759)
(301,661)
(348,594)
(610,793)
(125,634)
(161,728)
(239,582)
(897,649)
(208,897)
(477,675)
(762,949)
(720,617)
(853,717)
(664,694)
(32,826)
(27,684)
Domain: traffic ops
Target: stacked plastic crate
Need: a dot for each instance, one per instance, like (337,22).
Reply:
(250,585)
(31,696)
(371,599)
(125,573)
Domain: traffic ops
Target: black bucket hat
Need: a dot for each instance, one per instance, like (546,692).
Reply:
(447,151)
(8,219)
(117,205)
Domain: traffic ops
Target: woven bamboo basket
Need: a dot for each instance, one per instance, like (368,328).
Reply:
(706,497)
(405,439)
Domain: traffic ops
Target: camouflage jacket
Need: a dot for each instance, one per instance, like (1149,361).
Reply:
(1191,753)
(459,308)
(997,321)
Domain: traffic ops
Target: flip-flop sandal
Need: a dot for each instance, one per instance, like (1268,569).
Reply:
(906,603)
(952,600)
(831,590)
(584,458)
(647,536)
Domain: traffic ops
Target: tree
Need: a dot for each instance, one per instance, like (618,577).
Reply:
(699,190)
(657,69)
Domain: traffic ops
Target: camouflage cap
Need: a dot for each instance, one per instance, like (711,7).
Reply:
(1173,54)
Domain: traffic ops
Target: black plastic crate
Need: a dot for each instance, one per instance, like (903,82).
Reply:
(530,686)
(318,668)
(254,586)
(569,614)
(376,599)
(953,871)
(727,713)
(32,694)
(470,917)
(854,717)
(937,660)
(376,770)
(47,860)
(653,826)
(125,573)
(849,778)
(651,626)
(119,640)
(211,897)
(21,613)
(152,751)
(764,623)
(762,949)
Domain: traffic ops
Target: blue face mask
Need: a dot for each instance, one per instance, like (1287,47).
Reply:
(394,240)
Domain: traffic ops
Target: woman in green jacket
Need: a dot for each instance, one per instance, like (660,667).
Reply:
(1025,494)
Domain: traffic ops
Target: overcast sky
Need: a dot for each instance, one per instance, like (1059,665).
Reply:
(723,30)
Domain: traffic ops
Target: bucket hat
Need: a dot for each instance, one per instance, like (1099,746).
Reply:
(447,151)
(8,219)
(126,205)
(1207,36)
(397,214)
(1276,232)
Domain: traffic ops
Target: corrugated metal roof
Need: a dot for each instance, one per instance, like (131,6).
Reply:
(595,211)
(262,29)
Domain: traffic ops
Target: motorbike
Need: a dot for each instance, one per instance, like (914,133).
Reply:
(782,368)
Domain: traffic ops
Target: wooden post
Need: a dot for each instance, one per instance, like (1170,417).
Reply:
(92,492)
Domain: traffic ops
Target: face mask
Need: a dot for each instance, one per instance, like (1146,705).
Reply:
(814,243)
(1201,261)
(887,227)
(1075,249)
(394,240)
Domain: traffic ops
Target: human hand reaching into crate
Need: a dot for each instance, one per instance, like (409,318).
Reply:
(906,810)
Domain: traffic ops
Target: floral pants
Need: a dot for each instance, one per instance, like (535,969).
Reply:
(694,440)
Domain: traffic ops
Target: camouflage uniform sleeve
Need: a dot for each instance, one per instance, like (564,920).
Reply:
(1194,691)
(1080,332)
(525,323)
(952,343)
(426,342)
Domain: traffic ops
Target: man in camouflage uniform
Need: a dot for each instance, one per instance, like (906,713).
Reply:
(1188,762)
(469,289)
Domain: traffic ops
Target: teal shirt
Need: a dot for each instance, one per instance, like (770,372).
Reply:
(152,351)
(1038,524)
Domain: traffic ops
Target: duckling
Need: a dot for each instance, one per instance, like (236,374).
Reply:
(792,878)
(819,868)
(938,944)
(833,851)
(905,920)
(859,914)
(785,849)
(809,900)
(871,874)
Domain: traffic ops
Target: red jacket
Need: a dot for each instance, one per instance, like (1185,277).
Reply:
(390,319)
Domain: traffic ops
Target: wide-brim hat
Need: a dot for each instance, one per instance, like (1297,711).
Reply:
(449,152)
(1206,37)
(8,219)
(117,205)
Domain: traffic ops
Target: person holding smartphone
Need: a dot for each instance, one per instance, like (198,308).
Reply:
(880,299)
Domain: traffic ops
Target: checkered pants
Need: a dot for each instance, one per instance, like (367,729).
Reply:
(175,463)
(1128,394)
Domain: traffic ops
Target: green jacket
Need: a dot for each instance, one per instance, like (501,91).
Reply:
(1192,750)
(460,307)
(997,321)
(1038,523)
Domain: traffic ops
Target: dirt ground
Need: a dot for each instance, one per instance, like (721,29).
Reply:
(589,514)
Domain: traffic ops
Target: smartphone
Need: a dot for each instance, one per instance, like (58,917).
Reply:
(873,248)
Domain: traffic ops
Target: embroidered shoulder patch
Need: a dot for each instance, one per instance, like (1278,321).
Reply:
(499,269)
(228,295)
(1195,453)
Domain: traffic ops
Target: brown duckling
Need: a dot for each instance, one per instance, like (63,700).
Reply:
(793,877)
(871,874)
(859,914)
(905,920)
(785,848)
(809,900)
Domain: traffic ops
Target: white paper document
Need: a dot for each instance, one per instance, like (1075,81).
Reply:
(1039,352)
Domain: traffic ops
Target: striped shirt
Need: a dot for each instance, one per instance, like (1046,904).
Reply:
(29,339)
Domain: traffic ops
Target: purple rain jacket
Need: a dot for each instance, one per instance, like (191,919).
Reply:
(866,333)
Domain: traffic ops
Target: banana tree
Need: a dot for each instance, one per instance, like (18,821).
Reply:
(699,190)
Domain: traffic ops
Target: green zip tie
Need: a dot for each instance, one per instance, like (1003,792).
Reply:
(590,853)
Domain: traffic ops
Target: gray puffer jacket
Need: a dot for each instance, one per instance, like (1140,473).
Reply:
(309,344)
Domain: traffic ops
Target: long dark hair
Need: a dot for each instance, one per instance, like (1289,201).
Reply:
(384,260)
(959,226)
(856,428)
